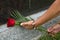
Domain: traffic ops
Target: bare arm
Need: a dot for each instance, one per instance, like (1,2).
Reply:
(51,12)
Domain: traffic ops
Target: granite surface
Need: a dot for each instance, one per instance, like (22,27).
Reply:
(19,33)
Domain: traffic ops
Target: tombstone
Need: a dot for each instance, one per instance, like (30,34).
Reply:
(19,33)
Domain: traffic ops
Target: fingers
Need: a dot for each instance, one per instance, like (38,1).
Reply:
(24,24)
(27,25)
(50,29)
(54,29)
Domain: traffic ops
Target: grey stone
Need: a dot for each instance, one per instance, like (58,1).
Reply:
(20,33)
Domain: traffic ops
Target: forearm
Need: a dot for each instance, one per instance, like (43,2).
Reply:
(51,12)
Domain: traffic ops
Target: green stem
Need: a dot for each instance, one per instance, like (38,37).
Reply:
(17,23)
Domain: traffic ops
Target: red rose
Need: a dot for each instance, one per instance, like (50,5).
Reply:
(10,22)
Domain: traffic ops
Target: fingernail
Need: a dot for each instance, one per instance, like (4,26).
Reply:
(31,21)
(48,30)
(21,24)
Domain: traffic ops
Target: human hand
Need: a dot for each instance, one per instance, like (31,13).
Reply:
(28,25)
(54,29)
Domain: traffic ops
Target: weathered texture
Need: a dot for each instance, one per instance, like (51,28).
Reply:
(19,33)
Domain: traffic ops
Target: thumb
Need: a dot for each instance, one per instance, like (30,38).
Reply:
(49,29)
(23,24)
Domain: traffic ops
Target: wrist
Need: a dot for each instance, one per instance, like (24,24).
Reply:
(35,24)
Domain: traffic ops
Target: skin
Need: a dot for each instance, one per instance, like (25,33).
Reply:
(52,12)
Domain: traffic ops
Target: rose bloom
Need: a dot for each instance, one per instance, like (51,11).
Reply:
(10,22)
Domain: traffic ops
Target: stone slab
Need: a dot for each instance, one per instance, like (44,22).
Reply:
(19,33)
